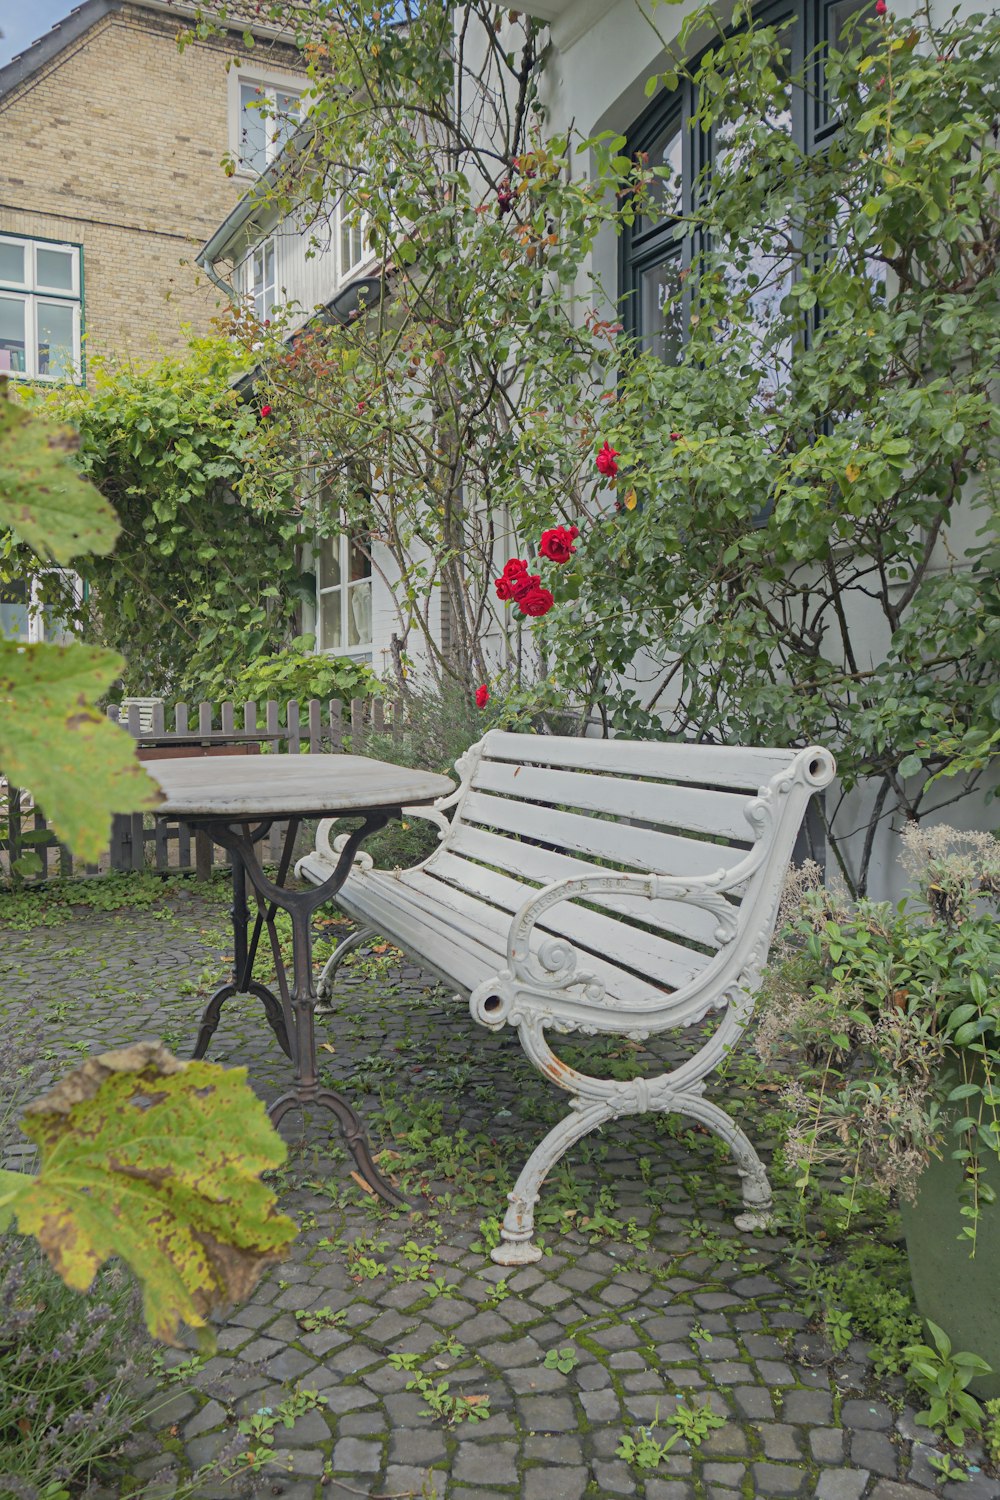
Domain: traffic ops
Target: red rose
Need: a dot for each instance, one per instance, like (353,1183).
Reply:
(265,411)
(515,572)
(535,601)
(557,543)
(880,7)
(482,696)
(606,461)
(675,437)
(525,585)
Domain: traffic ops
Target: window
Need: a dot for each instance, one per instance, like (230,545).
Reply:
(656,253)
(26,616)
(267,113)
(260,279)
(40,308)
(343,595)
(352,241)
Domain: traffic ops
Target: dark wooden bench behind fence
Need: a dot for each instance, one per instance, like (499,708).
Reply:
(142,842)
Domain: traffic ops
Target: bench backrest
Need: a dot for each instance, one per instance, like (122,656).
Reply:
(536,808)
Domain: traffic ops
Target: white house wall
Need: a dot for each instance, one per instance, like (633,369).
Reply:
(601,58)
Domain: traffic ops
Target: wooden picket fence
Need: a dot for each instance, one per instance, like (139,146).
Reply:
(140,841)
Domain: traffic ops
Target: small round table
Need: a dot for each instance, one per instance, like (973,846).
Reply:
(236,801)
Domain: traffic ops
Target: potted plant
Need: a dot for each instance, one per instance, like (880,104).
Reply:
(891,1016)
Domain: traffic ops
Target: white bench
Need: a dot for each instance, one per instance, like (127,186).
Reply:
(679,853)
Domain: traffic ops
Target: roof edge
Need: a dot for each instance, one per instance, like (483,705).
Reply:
(82,17)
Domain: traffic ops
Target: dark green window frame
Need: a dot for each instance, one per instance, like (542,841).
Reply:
(669,245)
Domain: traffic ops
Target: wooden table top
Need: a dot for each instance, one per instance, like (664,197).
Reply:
(284,786)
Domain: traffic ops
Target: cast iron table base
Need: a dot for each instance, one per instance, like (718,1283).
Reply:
(292,1018)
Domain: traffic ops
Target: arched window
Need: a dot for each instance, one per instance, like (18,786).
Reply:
(656,252)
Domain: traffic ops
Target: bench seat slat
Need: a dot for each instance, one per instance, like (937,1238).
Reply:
(414,912)
(741,769)
(721,815)
(654,957)
(637,848)
(542,866)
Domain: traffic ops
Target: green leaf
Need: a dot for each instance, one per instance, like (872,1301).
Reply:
(42,499)
(79,766)
(12,1185)
(156,1161)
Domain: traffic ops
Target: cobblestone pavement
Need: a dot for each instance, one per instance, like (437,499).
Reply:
(654,1297)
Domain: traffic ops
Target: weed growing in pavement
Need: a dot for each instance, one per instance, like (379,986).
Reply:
(319,1318)
(943,1376)
(564,1360)
(259,1430)
(178,1374)
(419,1259)
(944,1465)
(991,1431)
(644,1450)
(441,1403)
(448,1345)
(440,1286)
(694,1423)
(404,1361)
(864,1292)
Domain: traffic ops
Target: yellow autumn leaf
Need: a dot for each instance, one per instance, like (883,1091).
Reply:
(631,500)
(853,472)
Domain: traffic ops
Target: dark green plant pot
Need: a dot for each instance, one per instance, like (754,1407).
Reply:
(961,1295)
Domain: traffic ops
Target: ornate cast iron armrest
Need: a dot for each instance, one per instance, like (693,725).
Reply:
(705,891)
(329,853)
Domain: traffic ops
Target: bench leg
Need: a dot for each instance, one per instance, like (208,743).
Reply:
(597,1100)
(324,983)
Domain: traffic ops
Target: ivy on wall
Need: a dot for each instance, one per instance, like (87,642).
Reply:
(200,582)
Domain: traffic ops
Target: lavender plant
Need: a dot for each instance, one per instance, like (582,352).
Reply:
(66,1361)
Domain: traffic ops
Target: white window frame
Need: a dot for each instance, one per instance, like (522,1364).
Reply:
(270,84)
(35,632)
(345,588)
(350,234)
(35,295)
(252,289)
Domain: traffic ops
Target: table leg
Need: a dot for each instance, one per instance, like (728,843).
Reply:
(306,1089)
(301,905)
(241,982)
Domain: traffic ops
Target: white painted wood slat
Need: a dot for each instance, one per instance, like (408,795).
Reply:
(638,848)
(721,815)
(647,954)
(704,765)
(464,920)
(542,866)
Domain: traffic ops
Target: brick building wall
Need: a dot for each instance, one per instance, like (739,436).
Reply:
(115,144)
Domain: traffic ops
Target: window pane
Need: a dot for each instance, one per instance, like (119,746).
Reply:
(351,246)
(284,123)
(14,611)
(661,317)
(665,191)
(359,563)
(329,621)
(329,562)
(359,614)
(54,269)
(12,263)
(13,343)
(253,128)
(55,340)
